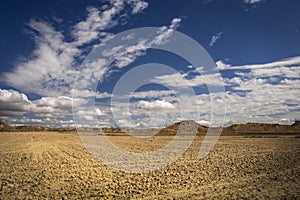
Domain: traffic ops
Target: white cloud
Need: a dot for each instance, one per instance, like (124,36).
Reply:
(165,32)
(214,39)
(175,23)
(252,99)
(43,122)
(251,2)
(12,96)
(157,104)
(280,63)
(138,6)
(179,80)
(88,93)
(89,115)
(100,20)
(222,66)
(13,103)
(203,123)
(152,93)
(288,72)
(89,29)
(49,72)
(271,92)
(16,103)
(103,95)
(128,37)
(128,54)
(264,93)
(124,55)
(267,92)
(51,69)
(62,102)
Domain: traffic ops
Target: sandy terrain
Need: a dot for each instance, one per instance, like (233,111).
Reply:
(39,165)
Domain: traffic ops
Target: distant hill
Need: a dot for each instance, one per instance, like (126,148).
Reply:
(296,124)
(262,128)
(5,127)
(255,128)
(184,127)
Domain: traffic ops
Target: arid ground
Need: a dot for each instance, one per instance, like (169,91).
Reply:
(39,165)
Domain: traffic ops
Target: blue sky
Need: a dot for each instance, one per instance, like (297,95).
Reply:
(254,44)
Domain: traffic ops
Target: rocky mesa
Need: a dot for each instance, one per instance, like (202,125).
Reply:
(184,127)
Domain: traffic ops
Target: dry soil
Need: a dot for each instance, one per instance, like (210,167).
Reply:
(40,165)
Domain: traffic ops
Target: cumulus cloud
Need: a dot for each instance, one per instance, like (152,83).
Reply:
(12,96)
(221,65)
(15,103)
(89,115)
(51,122)
(265,92)
(51,69)
(62,102)
(157,104)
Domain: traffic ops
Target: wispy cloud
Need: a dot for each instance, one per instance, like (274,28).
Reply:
(285,62)
(51,69)
(214,39)
(180,81)
(125,55)
(251,2)
(152,94)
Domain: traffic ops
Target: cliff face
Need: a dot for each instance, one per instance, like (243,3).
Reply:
(183,127)
(262,128)
(236,128)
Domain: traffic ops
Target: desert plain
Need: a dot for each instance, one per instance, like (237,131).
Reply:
(52,165)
